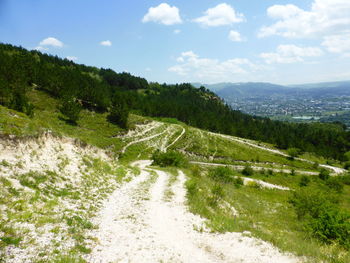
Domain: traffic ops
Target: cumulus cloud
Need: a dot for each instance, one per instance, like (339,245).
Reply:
(338,43)
(72,58)
(106,43)
(210,70)
(163,14)
(177,31)
(40,48)
(235,36)
(220,15)
(50,42)
(287,54)
(325,17)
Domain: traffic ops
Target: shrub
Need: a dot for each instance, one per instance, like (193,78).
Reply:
(347,165)
(254,184)
(248,171)
(335,183)
(293,152)
(324,174)
(238,182)
(332,224)
(346,179)
(304,181)
(322,216)
(221,174)
(170,158)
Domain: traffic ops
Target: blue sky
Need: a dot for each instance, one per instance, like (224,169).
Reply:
(285,42)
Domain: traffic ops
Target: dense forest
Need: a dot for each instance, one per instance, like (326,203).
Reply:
(80,86)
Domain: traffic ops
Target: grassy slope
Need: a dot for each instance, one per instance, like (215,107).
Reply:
(266,213)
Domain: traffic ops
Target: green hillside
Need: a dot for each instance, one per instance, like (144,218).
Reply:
(104,90)
(71,134)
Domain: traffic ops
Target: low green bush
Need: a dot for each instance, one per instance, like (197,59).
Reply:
(304,181)
(238,182)
(221,174)
(324,174)
(322,216)
(248,171)
(171,158)
(346,179)
(336,184)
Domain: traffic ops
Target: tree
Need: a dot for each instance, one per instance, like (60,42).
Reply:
(119,113)
(293,152)
(70,109)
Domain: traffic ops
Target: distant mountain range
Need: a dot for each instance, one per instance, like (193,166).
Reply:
(261,89)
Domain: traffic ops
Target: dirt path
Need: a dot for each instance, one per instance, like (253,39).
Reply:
(142,140)
(256,168)
(336,170)
(138,225)
(175,141)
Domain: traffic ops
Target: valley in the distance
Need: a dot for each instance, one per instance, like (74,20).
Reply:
(323,102)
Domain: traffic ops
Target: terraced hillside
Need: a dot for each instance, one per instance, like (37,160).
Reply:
(88,193)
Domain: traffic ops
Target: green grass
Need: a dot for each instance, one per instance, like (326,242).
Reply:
(92,128)
(203,145)
(266,213)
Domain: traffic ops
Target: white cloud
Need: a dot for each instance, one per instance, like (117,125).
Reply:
(290,54)
(148,69)
(177,31)
(106,43)
(39,48)
(163,14)
(235,36)
(325,17)
(220,15)
(338,43)
(190,65)
(72,58)
(51,41)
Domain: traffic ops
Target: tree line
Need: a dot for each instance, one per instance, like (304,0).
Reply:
(98,89)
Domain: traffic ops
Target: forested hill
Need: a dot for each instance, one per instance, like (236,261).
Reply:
(105,90)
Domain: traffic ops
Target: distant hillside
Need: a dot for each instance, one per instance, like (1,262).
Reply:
(261,89)
(251,88)
(324,85)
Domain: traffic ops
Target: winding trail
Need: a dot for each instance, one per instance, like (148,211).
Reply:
(137,225)
(336,170)
(256,168)
(142,140)
(175,141)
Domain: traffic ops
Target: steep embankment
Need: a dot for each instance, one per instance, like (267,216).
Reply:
(50,188)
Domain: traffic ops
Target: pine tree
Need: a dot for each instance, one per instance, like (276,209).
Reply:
(119,112)
(70,109)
